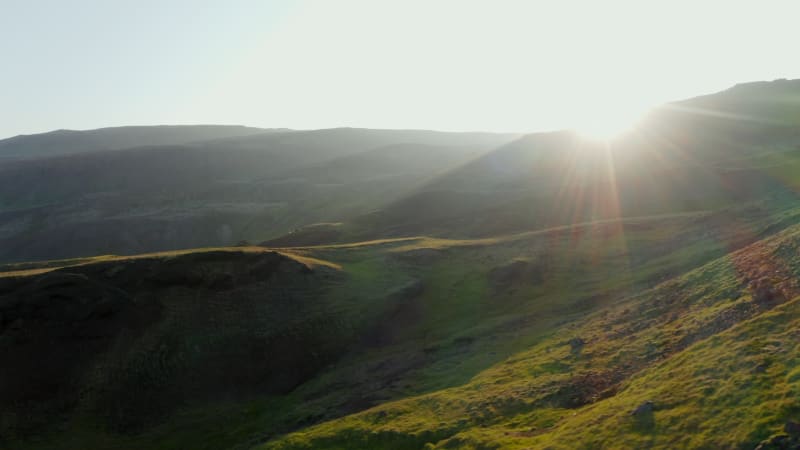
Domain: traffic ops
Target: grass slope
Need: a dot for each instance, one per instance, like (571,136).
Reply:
(449,342)
(715,350)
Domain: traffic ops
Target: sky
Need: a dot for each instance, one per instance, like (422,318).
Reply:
(498,65)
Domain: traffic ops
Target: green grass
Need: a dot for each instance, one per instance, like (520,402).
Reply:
(654,346)
(469,363)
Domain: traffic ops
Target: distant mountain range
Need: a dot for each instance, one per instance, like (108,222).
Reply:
(67,194)
(63,142)
(137,189)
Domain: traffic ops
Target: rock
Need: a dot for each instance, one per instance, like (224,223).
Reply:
(777,442)
(765,292)
(792,428)
(761,368)
(644,409)
(576,344)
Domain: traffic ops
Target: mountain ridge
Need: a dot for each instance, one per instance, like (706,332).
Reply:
(64,142)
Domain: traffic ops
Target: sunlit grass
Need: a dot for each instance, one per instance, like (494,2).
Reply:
(498,356)
(699,394)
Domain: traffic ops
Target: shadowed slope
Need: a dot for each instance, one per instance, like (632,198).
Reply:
(62,142)
(215,193)
(125,342)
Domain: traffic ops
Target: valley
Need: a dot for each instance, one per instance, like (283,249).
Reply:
(383,289)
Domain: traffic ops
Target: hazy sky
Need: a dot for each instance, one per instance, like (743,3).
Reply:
(450,65)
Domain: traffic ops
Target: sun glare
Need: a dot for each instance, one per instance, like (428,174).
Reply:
(607,124)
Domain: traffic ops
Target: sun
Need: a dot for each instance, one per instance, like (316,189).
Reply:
(607,123)
(603,128)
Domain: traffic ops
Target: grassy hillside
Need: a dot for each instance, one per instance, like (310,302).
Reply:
(452,342)
(704,360)
(122,343)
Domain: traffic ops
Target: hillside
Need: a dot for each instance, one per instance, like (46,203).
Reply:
(214,193)
(709,152)
(128,341)
(61,142)
(705,360)
(491,337)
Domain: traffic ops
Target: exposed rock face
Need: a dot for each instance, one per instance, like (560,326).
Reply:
(765,292)
(132,340)
(644,409)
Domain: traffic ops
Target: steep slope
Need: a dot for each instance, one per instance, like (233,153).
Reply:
(62,142)
(739,145)
(705,360)
(737,122)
